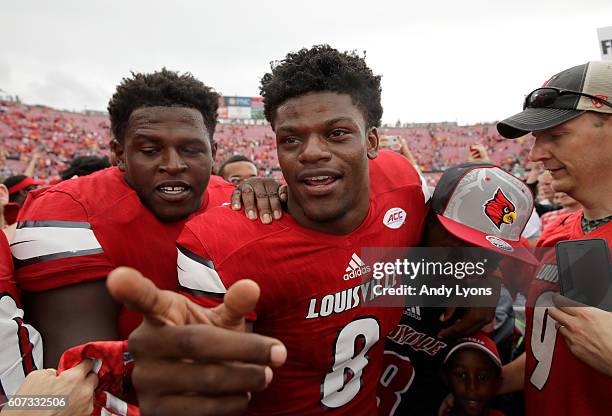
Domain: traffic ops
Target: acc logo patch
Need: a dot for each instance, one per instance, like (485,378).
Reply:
(499,243)
(394,218)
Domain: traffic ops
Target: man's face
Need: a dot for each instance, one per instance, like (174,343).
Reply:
(167,159)
(237,172)
(545,186)
(323,143)
(578,154)
(563,199)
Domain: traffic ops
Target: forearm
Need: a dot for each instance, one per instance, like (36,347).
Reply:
(513,376)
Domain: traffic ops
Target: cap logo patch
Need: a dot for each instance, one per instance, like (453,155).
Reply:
(599,104)
(394,218)
(499,243)
(500,210)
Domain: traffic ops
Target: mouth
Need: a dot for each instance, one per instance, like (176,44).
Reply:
(173,191)
(320,183)
(473,404)
(556,170)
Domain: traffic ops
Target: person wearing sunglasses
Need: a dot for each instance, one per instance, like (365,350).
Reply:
(568,362)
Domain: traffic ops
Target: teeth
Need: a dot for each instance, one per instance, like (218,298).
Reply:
(172,190)
(319,178)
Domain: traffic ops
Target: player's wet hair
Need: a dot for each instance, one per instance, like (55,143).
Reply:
(234,159)
(323,68)
(161,89)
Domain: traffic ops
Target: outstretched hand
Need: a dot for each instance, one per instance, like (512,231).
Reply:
(190,359)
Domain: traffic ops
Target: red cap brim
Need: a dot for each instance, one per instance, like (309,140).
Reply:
(24,184)
(477,238)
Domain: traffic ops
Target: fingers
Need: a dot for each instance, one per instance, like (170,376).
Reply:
(236,200)
(202,342)
(212,379)
(563,319)
(240,299)
(81,370)
(566,334)
(246,194)
(139,294)
(272,188)
(194,405)
(566,304)
(446,405)
(262,196)
(91,382)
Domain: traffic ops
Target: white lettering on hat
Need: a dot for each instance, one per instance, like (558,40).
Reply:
(499,243)
(394,218)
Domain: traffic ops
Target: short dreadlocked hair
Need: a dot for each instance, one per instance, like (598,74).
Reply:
(323,68)
(161,89)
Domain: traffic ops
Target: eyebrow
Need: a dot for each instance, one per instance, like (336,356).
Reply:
(156,140)
(328,123)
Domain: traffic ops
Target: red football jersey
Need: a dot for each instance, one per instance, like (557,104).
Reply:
(81,229)
(556,382)
(20,344)
(312,295)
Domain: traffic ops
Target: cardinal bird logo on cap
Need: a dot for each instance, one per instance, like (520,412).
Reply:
(500,209)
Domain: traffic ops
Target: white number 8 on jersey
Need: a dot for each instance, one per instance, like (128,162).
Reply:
(336,391)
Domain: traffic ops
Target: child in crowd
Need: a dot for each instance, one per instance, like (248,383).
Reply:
(472,370)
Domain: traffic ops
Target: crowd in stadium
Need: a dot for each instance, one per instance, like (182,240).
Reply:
(153,264)
(56,137)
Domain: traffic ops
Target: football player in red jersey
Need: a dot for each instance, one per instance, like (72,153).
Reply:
(21,372)
(72,235)
(324,107)
(565,368)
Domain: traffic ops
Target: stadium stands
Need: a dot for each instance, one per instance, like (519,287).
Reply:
(59,136)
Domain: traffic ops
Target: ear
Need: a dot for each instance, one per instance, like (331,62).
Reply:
(213,150)
(117,154)
(372,142)
(4,195)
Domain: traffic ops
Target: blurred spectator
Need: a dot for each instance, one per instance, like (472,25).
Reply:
(84,165)
(567,204)
(237,168)
(19,186)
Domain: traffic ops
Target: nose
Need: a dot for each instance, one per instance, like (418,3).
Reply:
(471,384)
(314,149)
(172,162)
(539,151)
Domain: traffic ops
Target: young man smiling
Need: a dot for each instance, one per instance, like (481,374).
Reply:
(72,235)
(324,107)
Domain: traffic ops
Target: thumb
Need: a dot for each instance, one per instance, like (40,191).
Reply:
(240,299)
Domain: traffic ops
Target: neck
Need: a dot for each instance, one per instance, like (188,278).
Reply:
(346,224)
(596,205)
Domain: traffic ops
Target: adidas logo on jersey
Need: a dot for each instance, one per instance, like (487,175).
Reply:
(356,268)
(413,312)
